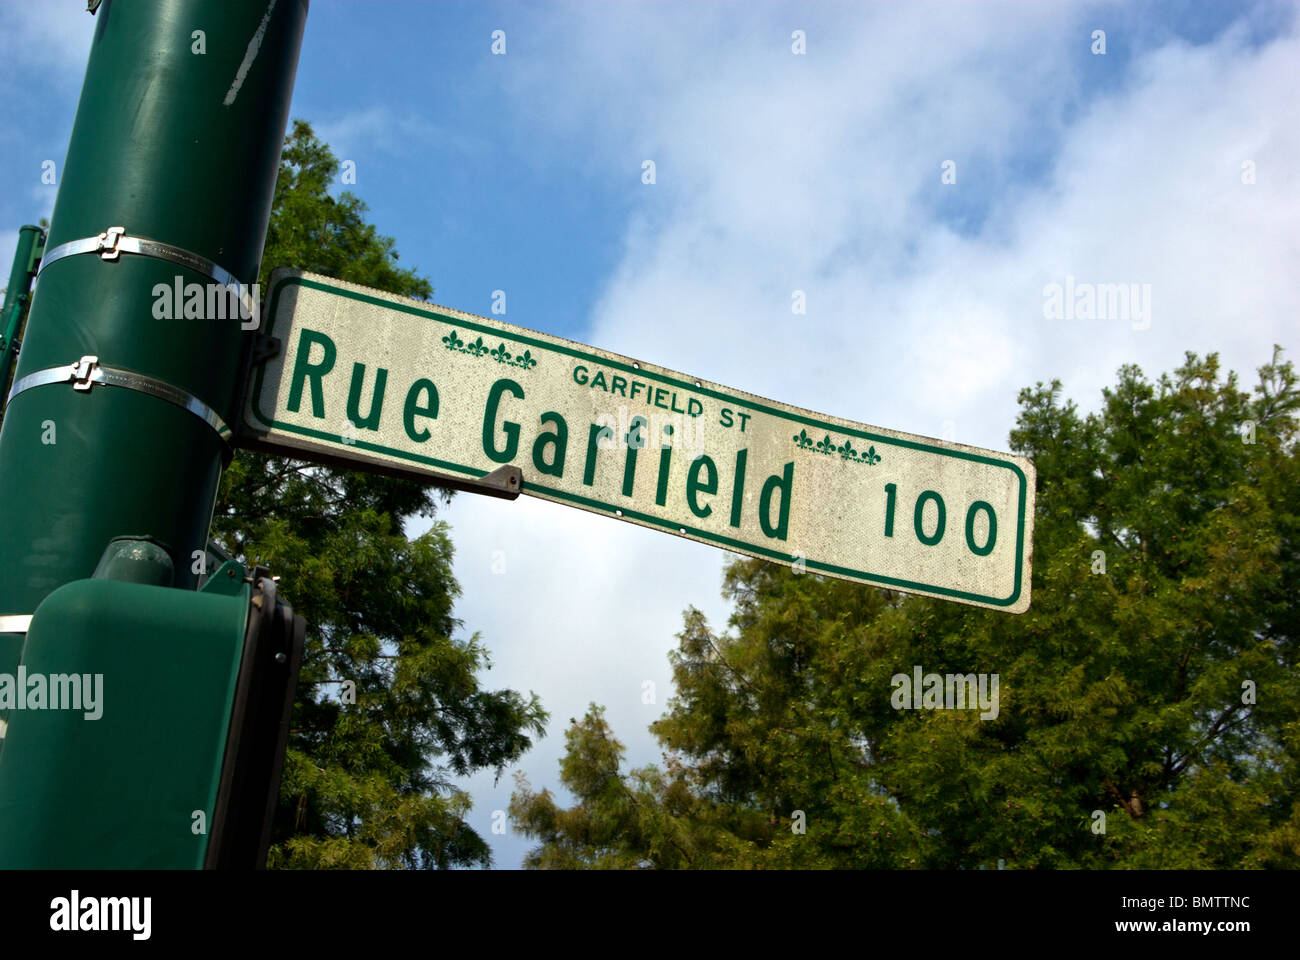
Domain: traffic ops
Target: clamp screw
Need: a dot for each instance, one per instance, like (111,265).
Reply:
(108,242)
(82,372)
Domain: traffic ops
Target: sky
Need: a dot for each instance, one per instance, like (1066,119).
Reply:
(925,173)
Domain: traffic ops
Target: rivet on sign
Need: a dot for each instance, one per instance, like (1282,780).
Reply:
(681,529)
(698,384)
(618,513)
(635,365)
(280,658)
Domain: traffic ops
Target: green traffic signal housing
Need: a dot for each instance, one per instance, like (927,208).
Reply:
(147,724)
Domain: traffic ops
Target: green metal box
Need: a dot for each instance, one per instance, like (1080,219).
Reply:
(135,785)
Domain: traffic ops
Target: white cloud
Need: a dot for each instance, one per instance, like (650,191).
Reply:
(43,53)
(821,173)
(585,609)
(383,129)
(46,43)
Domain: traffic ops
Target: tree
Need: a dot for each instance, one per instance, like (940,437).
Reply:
(389,705)
(1149,700)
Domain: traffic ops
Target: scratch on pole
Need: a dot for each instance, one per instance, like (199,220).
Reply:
(254,45)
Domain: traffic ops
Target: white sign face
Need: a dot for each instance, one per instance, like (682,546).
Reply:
(387,382)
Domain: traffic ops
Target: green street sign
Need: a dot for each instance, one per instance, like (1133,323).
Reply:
(384,383)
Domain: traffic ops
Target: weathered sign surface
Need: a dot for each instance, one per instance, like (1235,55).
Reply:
(396,384)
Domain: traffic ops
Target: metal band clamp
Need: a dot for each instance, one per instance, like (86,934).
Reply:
(88,371)
(114,241)
(15,623)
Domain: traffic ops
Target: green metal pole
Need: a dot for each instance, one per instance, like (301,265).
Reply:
(31,241)
(177,140)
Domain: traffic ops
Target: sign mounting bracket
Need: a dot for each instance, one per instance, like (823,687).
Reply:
(504,483)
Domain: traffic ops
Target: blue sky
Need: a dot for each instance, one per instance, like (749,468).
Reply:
(774,172)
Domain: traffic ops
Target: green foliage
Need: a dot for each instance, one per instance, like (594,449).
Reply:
(1124,692)
(366,784)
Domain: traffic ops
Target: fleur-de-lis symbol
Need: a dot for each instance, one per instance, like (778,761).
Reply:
(526,360)
(478,347)
(452,341)
(501,354)
(827,446)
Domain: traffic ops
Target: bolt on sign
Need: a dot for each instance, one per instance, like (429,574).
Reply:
(381,382)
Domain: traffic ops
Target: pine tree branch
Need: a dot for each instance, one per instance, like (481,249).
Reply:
(734,672)
(1216,728)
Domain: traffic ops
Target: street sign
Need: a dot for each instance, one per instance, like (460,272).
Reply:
(386,383)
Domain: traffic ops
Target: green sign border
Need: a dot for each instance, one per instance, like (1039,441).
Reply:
(522,337)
